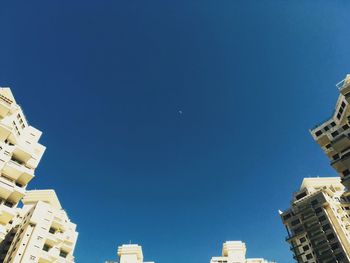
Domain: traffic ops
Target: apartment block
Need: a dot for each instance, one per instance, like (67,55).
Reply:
(131,253)
(235,252)
(318,222)
(20,154)
(42,231)
(333,135)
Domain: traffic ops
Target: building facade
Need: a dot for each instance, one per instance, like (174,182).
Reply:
(235,252)
(333,135)
(20,154)
(131,253)
(318,222)
(41,232)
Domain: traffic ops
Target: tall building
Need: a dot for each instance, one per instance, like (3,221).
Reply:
(235,252)
(42,231)
(318,222)
(333,135)
(20,154)
(131,254)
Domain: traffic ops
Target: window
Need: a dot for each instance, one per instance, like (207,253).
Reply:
(46,247)
(318,210)
(339,256)
(306,247)
(63,253)
(346,172)
(334,246)
(318,133)
(302,240)
(314,202)
(330,236)
(345,127)
(9,204)
(295,222)
(309,256)
(322,218)
(335,133)
(287,216)
(326,227)
(299,196)
(52,230)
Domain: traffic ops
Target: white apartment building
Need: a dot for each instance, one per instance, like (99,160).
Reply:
(333,135)
(235,252)
(131,253)
(42,231)
(20,154)
(318,222)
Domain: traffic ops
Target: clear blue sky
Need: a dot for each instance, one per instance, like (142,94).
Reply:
(105,81)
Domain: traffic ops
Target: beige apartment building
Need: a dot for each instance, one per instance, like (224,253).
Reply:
(318,222)
(20,154)
(235,252)
(131,253)
(42,231)
(333,135)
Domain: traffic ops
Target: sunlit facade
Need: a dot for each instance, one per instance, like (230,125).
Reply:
(20,154)
(235,252)
(333,135)
(42,231)
(131,253)
(318,222)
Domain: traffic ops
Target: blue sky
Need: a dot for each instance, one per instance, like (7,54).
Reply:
(105,81)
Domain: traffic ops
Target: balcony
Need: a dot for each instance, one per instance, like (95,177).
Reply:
(342,163)
(23,152)
(54,239)
(341,143)
(9,191)
(6,214)
(48,256)
(5,105)
(5,131)
(18,172)
(344,88)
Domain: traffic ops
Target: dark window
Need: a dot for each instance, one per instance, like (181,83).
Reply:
(314,202)
(343,104)
(309,256)
(299,196)
(318,133)
(338,116)
(295,222)
(52,230)
(63,254)
(318,210)
(346,172)
(335,156)
(302,240)
(305,247)
(333,124)
(330,236)
(46,247)
(339,256)
(328,146)
(322,218)
(334,246)
(345,127)
(326,227)
(335,133)
(9,204)
(287,216)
